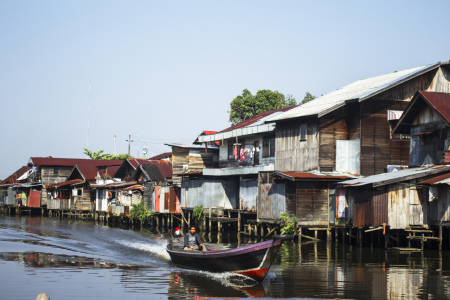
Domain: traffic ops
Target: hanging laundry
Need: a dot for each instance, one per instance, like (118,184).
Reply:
(235,152)
(242,152)
(252,152)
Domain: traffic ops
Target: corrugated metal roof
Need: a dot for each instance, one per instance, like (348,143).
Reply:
(313,175)
(69,182)
(191,146)
(398,176)
(442,179)
(90,172)
(359,90)
(161,156)
(440,102)
(152,172)
(14,176)
(254,125)
(114,184)
(258,119)
(71,162)
(134,187)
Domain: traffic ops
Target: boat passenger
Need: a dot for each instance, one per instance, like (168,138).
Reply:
(192,240)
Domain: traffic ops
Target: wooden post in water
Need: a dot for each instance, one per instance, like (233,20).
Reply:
(335,235)
(440,238)
(386,238)
(300,235)
(239,222)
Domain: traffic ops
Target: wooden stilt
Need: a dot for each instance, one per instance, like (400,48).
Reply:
(440,238)
(300,235)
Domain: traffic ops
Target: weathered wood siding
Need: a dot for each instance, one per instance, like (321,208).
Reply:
(291,153)
(441,205)
(431,147)
(193,160)
(332,127)
(312,203)
(377,148)
(398,210)
(370,207)
(83,202)
(180,160)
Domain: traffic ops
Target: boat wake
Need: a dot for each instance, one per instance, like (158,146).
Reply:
(228,279)
(156,247)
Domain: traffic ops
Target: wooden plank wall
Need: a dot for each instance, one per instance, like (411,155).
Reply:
(83,202)
(377,148)
(332,127)
(48,176)
(312,203)
(293,154)
(370,207)
(180,158)
(398,207)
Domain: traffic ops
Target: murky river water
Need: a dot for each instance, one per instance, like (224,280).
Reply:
(79,260)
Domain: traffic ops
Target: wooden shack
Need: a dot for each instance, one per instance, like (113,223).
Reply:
(392,199)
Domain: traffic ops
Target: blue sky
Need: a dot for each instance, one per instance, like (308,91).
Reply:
(163,71)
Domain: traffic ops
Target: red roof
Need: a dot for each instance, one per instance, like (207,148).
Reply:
(256,118)
(14,176)
(71,162)
(208,132)
(160,156)
(440,102)
(90,172)
(69,182)
(164,166)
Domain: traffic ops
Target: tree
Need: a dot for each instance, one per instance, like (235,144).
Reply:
(105,156)
(308,97)
(247,105)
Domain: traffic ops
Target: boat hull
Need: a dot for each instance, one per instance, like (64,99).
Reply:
(253,260)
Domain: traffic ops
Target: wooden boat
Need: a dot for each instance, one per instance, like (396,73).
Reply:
(252,260)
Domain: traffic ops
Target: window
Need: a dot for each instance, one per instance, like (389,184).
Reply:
(55,171)
(268,146)
(80,192)
(303,132)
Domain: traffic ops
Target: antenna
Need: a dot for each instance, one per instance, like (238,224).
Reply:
(89,112)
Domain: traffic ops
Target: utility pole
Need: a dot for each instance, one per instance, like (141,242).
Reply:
(115,145)
(129,143)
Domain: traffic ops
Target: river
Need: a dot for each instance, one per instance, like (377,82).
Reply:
(68,259)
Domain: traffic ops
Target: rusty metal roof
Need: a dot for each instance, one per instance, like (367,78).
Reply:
(397,176)
(14,176)
(71,162)
(439,102)
(161,156)
(312,175)
(114,184)
(69,182)
(134,187)
(442,179)
(258,119)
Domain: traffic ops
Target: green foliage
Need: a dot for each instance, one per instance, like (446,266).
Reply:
(198,213)
(288,225)
(308,97)
(247,105)
(105,156)
(140,212)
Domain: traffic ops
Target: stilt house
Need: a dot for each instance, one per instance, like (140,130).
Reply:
(348,131)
